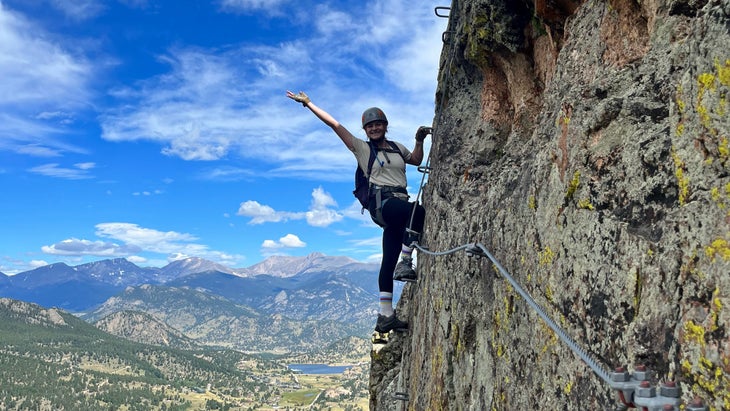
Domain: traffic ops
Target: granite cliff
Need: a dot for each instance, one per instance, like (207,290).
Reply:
(585,143)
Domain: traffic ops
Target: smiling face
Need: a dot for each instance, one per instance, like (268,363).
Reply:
(375,130)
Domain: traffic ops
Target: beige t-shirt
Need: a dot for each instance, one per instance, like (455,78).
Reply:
(389,168)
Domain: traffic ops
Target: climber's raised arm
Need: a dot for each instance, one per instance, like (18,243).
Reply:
(326,118)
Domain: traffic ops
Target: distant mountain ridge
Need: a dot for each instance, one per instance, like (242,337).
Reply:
(85,286)
(285,266)
(284,304)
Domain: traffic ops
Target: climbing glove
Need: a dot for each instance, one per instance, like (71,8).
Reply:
(422,132)
(301,97)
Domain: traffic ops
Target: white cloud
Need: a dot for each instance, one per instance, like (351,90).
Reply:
(79,172)
(264,214)
(134,240)
(272,6)
(37,263)
(209,105)
(288,241)
(321,212)
(147,193)
(78,9)
(136,259)
(85,166)
(77,247)
(48,83)
(149,239)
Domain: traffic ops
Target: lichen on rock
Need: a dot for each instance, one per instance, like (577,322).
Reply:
(585,143)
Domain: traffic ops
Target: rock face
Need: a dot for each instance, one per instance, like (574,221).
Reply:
(585,144)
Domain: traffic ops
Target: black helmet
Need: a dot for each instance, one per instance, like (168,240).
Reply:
(373,114)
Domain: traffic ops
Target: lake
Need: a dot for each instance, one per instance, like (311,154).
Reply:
(318,368)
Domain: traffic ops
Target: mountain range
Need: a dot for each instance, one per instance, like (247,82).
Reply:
(282,304)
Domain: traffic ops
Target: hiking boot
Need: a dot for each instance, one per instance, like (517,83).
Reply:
(385,324)
(404,270)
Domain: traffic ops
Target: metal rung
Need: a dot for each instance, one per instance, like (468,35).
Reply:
(445,38)
(400,396)
(424,169)
(442,8)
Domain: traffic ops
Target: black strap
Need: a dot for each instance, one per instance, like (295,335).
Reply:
(374,152)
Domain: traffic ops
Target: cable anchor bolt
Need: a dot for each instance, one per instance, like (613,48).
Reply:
(472,250)
(400,396)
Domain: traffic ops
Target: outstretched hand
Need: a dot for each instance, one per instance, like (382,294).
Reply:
(422,132)
(300,97)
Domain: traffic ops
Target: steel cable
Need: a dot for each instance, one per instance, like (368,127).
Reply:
(480,249)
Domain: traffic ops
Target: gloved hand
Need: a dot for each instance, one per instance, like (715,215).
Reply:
(422,132)
(301,97)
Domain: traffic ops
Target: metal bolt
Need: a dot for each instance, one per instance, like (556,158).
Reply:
(641,373)
(646,390)
(670,389)
(668,407)
(620,375)
(696,405)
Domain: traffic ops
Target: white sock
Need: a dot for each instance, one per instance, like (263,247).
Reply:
(386,304)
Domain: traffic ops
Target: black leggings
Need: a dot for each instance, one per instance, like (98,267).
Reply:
(397,215)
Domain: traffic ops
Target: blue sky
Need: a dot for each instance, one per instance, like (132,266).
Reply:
(156,130)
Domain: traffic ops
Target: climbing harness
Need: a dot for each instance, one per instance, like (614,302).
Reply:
(634,390)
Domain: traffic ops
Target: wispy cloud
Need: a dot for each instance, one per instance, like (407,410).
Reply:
(79,171)
(129,240)
(147,193)
(78,9)
(245,6)
(79,247)
(46,79)
(215,103)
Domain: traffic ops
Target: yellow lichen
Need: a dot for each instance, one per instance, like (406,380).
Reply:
(716,302)
(573,186)
(546,256)
(585,204)
(695,332)
(686,366)
(719,247)
(680,103)
(707,82)
(549,293)
(715,193)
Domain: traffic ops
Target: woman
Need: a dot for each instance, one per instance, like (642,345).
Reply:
(388,202)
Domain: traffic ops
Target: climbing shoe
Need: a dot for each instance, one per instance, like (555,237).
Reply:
(385,324)
(404,270)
